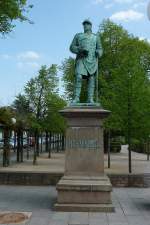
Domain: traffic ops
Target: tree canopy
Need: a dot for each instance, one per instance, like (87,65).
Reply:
(38,107)
(10,11)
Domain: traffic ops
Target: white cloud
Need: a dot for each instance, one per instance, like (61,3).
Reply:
(129,15)
(124,1)
(109,3)
(28,55)
(28,60)
(25,65)
(133,2)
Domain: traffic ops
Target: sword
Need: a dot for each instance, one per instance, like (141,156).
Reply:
(97,75)
(97,82)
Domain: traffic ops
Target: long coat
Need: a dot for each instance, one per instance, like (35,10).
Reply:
(86,65)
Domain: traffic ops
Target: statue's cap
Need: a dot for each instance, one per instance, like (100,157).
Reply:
(87,21)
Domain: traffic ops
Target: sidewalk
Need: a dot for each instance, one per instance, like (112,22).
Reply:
(132,207)
(119,163)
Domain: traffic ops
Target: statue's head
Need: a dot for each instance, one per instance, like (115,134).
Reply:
(87,24)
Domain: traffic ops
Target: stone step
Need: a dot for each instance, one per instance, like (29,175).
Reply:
(84,207)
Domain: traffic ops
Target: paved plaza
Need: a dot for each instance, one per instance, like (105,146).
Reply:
(119,163)
(132,207)
(132,204)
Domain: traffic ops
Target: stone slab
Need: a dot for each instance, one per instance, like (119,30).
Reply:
(101,183)
(78,190)
(84,207)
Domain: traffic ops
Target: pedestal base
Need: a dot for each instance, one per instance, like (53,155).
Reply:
(84,207)
(84,188)
(84,194)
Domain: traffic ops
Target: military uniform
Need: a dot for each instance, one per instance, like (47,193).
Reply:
(86,65)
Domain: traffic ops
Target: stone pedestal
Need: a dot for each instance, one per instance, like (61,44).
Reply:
(84,187)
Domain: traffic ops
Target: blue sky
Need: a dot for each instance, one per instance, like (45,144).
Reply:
(47,41)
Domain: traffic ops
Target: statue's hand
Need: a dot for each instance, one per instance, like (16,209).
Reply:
(83,52)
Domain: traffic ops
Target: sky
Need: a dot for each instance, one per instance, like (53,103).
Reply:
(47,41)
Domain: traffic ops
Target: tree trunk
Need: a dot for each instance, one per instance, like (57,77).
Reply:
(57,142)
(37,144)
(18,144)
(15,141)
(63,142)
(35,152)
(41,143)
(28,144)
(6,150)
(49,149)
(46,142)
(21,145)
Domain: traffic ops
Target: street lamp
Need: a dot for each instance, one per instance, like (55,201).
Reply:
(13,120)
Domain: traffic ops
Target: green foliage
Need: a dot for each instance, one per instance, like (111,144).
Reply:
(38,89)
(68,67)
(53,122)
(41,94)
(21,105)
(124,83)
(11,10)
(22,112)
(6,116)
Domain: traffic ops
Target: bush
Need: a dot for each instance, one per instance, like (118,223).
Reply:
(138,146)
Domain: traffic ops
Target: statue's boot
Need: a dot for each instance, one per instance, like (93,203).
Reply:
(77,91)
(91,87)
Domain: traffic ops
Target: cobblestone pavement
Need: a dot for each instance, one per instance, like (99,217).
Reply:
(132,206)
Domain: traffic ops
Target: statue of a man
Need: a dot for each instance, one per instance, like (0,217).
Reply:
(87,47)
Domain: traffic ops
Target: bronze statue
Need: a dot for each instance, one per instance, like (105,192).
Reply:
(87,47)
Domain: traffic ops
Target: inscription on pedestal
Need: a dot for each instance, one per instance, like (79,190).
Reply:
(84,150)
(83,143)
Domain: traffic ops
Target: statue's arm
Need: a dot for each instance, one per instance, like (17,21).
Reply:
(99,48)
(74,48)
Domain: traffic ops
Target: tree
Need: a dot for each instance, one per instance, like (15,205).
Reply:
(68,67)
(22,113)
(37,89)
(124,83)
(125,89)
(53,121)
(6,115)
(21,105)
(11,10)
(38,92)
